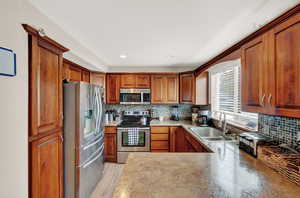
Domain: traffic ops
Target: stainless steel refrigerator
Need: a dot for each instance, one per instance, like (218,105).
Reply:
(84,138)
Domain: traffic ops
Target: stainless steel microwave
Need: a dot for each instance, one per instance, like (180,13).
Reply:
(135,96)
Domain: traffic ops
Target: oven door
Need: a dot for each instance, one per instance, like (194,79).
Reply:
(134,141)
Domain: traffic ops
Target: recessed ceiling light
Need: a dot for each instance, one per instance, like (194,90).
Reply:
(123,56)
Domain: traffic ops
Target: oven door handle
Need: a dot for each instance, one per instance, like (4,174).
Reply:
(126,129)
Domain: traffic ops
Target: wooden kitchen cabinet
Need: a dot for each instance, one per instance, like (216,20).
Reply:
(110,144)
(192,145)
(164,89)
(201,90)
(47,167)
(98,79)
(75,73)
(135,81)
(113,88)
(45,116)
(85,76)
(128,81)
(254,74)
(143,81)
(177,140)
(271,70)
(284,72)
(160,139)
(187,88)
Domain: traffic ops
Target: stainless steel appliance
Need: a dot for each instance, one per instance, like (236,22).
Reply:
(84,138)
(249,141)
(133,134)
(134,96)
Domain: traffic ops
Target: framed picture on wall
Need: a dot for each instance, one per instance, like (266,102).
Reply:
(8,65)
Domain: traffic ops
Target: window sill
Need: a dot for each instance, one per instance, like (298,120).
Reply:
(241,127)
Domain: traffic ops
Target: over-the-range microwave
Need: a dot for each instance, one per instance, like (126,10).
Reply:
(134,96)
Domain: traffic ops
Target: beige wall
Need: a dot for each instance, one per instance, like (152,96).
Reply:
(13,105)
(14,91)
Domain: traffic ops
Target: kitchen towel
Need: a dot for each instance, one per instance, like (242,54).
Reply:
(133,136)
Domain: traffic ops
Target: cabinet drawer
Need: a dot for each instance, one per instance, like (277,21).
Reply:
(160,145)
(159,129)
(158,136)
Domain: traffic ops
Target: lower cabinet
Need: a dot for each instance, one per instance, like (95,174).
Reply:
(174,139)
(47,167)
(160,139)
(192,145)
(110,144)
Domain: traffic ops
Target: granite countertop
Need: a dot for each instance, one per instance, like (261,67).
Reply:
(113,123)
(226,173)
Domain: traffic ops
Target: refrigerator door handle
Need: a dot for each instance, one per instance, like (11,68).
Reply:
(93,143)
(95,158)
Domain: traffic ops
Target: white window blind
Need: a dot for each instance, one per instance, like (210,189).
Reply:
(226,94)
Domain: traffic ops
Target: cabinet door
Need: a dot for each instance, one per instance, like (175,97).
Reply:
(285,59)
(98,79)
(110,147)
(75,73)
(47,167)
(142,81)
(113,89)
(180,142)
(66,71)
(173,132)
(202,89)
(157,89)
(45,93)
(85,76)
(172,89)
(254,75)
(187,88)
(128,81)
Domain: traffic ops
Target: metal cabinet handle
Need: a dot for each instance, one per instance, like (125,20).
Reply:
(263,100)
(270,99)
(61,138)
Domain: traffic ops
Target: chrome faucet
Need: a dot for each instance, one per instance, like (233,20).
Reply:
(223,123)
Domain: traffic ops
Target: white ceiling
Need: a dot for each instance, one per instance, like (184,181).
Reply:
(159,33)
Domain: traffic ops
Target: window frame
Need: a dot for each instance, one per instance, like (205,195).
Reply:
(238,114)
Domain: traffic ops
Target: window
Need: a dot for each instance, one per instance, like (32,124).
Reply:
(225,93)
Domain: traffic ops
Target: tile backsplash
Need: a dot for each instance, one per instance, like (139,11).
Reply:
(157,110)
(281,129)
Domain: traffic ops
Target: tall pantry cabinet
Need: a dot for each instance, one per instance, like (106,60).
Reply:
(45,116)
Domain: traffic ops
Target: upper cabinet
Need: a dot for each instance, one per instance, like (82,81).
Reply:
(113,88)
(45,94)
(98,79)
(254,76)
(202,85)
(187,88)
(74,72)
(85,76)
(271,70)
(284,49)
(164,89)
(143,81)
(135,81)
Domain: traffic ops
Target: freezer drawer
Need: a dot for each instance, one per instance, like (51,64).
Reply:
(89,150)
(90,174)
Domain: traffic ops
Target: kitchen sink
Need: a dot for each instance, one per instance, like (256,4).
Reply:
(209,134)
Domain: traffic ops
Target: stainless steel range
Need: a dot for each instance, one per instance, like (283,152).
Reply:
(133,134)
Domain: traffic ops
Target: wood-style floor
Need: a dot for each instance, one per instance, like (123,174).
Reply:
(111,176)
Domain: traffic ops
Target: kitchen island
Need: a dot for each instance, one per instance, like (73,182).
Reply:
(227,172)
